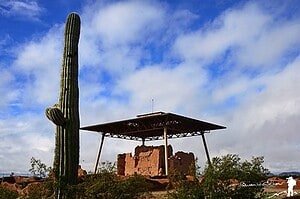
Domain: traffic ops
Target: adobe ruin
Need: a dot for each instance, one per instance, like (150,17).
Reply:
(149,161)
(150,127)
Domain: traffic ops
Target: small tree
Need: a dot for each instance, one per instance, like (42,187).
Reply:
(38,168)
(219,177)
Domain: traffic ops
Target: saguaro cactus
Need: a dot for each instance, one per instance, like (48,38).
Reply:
(65,114)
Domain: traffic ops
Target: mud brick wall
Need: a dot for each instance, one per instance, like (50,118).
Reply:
(183,163)
(121,164)
(144,148)
(149,160)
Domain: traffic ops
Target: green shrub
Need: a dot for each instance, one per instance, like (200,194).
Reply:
(37,191)
(5,193)
(218,177)
(110,186)
(107,184)
(218,180)
(132,188)
(187,190)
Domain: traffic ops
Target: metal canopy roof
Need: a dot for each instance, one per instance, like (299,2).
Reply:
(151,127)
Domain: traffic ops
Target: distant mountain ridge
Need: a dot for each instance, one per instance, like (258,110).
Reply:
(289,173)
(6,174)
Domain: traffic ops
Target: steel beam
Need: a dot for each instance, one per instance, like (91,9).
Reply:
(206,149)
(166,151)
(99,153)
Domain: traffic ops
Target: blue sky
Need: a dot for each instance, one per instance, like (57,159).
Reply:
(235,63)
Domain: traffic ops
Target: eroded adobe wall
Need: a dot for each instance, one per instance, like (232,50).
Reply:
(183,163)
(149,160)
(121,164)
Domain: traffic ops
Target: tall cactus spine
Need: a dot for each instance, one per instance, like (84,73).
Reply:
(66,157)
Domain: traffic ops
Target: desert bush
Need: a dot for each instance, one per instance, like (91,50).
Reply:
(187,190)
(134,187)
(5,193)
(219,177)
(107,184)
(223,170)
(37,191)
(110,186)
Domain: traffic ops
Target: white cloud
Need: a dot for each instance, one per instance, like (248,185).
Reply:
(169,87)
(39,142)
(116,35)
(228,30)
(30,84)
(21,8)
(126,22)
(252,36)
(237,86)
(25,136)
(38,64)
(271,45)
(4,44)
(279,99)
(116,82)
(6,86)
(265,123)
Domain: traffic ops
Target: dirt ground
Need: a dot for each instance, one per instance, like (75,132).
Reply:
(279,192)
(273,193)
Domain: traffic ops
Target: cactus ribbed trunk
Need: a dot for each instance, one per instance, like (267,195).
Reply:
(66,157)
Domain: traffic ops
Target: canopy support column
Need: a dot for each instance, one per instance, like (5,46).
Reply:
(206,149)
(166,151)
(99,153)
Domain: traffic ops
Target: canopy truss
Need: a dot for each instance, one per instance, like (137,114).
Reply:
(149,127)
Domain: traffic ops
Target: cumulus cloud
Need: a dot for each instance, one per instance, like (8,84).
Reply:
(168,87)
(38,63)
(252,36)
(21,8)
(239,70)
(279,98)
(114,33)
(265,122)
(24,136)
(6,87)
(30,84)
(271,45)
(126,22)
(226,31)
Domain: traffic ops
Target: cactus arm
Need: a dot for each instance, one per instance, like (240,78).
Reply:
(55,115)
